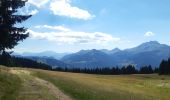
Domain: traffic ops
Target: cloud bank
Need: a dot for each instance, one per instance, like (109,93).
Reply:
(60,28)
(65,35)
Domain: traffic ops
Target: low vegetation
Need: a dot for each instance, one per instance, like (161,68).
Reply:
(110,87)
(20,84)
(35,84)
(9,84)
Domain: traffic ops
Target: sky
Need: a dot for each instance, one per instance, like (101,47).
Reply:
(73,25)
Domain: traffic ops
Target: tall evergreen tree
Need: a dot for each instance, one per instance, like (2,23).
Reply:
(10,35)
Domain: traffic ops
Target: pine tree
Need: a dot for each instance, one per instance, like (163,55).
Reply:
(164,67)
(168,66)
(9,34)
(150,70)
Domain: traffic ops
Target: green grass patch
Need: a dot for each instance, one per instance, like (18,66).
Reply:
(9,84)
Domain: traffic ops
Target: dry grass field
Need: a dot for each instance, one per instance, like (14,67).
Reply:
(110,87)
(31,84)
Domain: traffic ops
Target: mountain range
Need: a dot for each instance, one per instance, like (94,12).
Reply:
(149,53)
(42,54)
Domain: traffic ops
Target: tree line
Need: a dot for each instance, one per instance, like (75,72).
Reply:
(12,61)
(130,69)
(163,69)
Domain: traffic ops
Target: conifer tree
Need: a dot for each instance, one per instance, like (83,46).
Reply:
(9,34)
(164,67)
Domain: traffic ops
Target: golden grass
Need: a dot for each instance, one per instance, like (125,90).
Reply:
(82,86)
(145,87)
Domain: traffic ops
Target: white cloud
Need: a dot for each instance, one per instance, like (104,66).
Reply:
(63,8)
(59,28)
(149,34)
(26,11)
(71,37)
(33,12)
(38,3)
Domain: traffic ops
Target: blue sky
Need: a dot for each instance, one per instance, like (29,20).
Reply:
(72,25)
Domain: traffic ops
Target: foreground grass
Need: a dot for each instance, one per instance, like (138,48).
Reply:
(101,87)
(22,84)
(9,84)
(32,88)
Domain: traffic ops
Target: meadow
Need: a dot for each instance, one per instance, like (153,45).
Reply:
(110,87)
(81,86)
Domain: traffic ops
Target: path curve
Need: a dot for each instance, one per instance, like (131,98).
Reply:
(32,82)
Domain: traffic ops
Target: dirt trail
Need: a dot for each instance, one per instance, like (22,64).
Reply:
(35,88)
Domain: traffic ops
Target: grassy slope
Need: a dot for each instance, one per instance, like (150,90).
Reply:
(32,88)
(9,84)
(85,86)
(19,84)
(100,87)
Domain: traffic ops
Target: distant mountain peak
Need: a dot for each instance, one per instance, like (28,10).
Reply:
(94,50)
(116,49)
(152,43)
(148,46)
